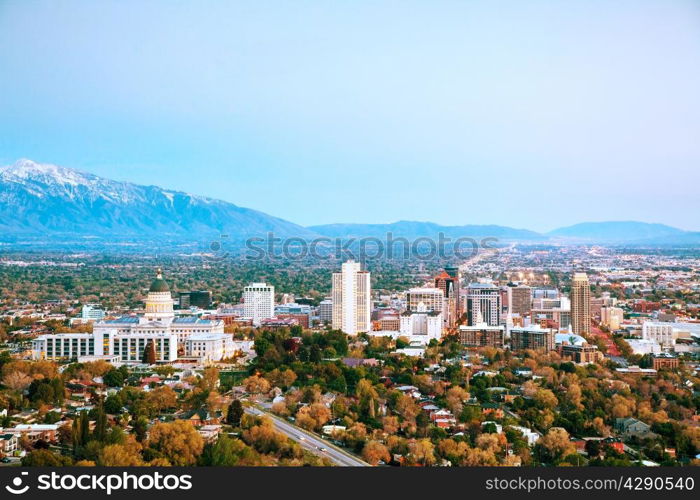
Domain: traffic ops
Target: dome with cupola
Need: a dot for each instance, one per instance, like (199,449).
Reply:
(159,303)
(159,284)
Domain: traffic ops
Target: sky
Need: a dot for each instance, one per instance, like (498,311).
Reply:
(525,113)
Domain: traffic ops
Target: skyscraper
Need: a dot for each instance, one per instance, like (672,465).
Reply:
(483,304)
(259,302)
(580,304)
(448,282)
(351,297)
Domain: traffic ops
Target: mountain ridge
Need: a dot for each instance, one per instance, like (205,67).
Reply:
(42,198)
(50,201)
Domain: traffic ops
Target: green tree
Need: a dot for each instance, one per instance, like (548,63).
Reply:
(235,413)
(149,353)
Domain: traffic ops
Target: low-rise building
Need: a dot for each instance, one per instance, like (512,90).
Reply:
(210,346)
(580,354)
(664,361)
(482,335)
(129,347)
(421,325)
(532,337)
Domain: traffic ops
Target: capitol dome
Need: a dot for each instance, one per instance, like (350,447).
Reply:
(159,303)
(159,284)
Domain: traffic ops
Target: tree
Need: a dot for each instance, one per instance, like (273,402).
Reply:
(374,452)
(256,385)
(17,381)
(161,398)
(228,452)
(100,423)
(81,430)
(390,424)
(178,441)
(140,428)
(456,396)
(127,454)
(45,458)
(554,445)
(422,451)
(264,438)
(313,416)
(113,378)
(210,379)
(149,353)
(281,378)
(235,413)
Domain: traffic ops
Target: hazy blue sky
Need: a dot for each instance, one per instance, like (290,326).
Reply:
(525,113)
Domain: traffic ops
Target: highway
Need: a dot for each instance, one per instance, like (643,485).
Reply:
(310,441)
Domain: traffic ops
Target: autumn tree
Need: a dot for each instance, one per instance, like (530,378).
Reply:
(161,398)
(17,381)
(422,452)
(210,379)
(554,445)
(374,452)
(281,378)
(178,441)
(127,454)
(313,416)
(256,385)
(456,396)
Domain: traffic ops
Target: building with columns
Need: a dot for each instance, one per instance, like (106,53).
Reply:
(128,336)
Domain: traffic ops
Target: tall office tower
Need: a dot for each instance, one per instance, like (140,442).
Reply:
(432,298)
(259,302)
(483,304)
(448,282)
(352,299)
(520,300)
(580,304)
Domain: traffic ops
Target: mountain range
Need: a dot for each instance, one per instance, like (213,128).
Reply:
(53,202)
(38,199)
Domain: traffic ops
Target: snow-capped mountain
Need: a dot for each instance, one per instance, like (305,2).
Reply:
(41,199)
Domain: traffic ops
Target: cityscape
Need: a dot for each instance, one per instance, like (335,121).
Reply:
(525,355)
(251,247)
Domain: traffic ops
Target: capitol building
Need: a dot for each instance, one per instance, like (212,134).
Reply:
(125,339)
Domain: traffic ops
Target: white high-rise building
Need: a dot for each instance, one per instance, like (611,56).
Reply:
(351,299)
(259,302)
(483,304)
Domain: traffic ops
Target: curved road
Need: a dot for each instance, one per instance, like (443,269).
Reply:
(310,441)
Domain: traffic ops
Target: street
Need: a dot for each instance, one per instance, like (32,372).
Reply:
(310,441)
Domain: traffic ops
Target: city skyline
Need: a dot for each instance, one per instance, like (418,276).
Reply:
(493,102)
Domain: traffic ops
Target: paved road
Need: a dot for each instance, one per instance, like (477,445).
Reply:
(311,442)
